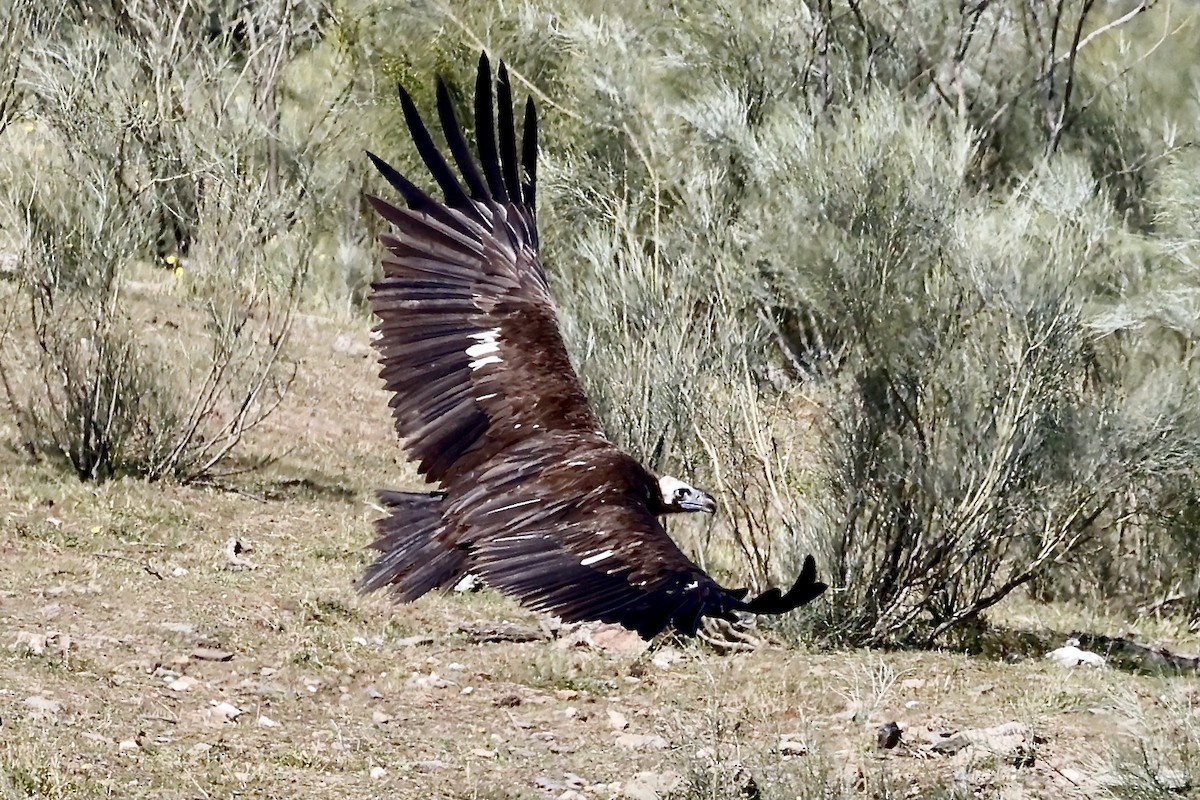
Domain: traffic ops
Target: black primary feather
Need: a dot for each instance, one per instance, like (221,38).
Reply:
(485,130)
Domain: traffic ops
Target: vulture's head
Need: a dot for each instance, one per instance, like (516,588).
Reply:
(678,496)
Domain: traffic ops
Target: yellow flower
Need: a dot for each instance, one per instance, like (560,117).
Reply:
(171,259)
(179,272)
(95,529)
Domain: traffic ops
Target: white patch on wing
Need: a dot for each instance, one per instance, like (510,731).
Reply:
(576,463)
(691,586)
(587,562)
(517,537)
(489,342)
(486,396)
(479,362)
(512,506)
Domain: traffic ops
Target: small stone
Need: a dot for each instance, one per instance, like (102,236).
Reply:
(665,657)
(430,681)
(182,683)
(468,583)
(127,745)
(913,683)
(1071,656)
(641,741)
(211,654)
(618,639)
(792,747)
(234,547)
(347,345)
(227,710)
(372,692)
(377,773)
(34,643)
(507,701)
(617,721)
(43,704)
(483,752)
(651,785)
(566,694)
(1173,780)
(244,777)
(414,641)
(266,722)
(380,717)
(179,572)
(200,748)
(571,794)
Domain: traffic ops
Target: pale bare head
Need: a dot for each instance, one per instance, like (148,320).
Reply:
(678,496)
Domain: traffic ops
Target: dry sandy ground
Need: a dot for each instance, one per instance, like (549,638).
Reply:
(117,602)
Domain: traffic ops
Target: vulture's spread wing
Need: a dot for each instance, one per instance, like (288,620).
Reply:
(565,531)
(562,529)
(469,342)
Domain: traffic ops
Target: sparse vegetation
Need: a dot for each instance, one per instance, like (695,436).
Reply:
(909,285)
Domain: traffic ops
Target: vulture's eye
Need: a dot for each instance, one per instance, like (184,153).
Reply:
(680,494)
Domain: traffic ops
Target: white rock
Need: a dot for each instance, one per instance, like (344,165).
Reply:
(789,746)
(665,657)
(468,583)
(127,744)
(1071,656)
(1173,780)
(182,684)
(34,643)
(43,704)
(617,721)
(377,773)
(651,785)
(641,741)
(380,717)
(266,722)
(227,710)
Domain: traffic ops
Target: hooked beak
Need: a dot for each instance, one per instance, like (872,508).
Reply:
(697,500)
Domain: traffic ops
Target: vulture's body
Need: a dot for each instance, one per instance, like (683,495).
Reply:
(533,497)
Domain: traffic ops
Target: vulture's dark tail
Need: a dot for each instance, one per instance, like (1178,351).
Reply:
(413,561)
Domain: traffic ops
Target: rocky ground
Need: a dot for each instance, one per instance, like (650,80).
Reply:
(194,642)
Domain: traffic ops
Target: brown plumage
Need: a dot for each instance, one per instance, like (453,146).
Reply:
(533,497)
